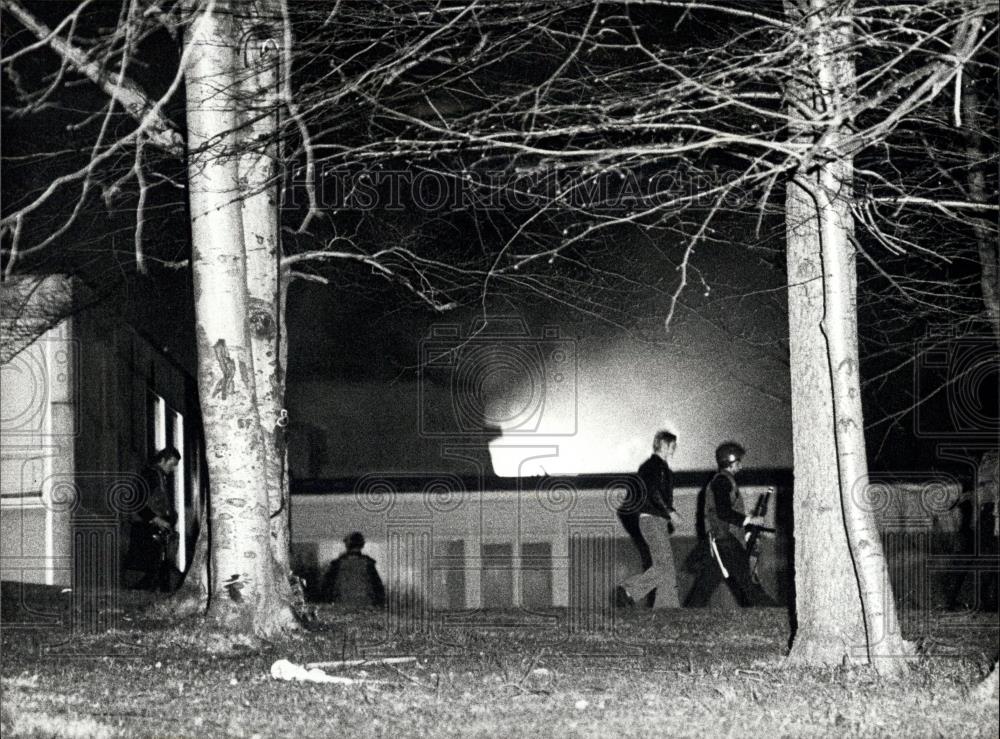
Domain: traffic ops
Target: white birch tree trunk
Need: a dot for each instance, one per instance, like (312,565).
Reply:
(886,649)
(989,689)
(261,227)
(831,468)
(989,250)
(192,596)
(827,606)
(244,595)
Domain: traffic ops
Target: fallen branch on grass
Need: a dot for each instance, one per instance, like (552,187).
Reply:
(359,662)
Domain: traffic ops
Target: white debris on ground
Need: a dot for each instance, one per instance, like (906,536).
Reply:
(282,669)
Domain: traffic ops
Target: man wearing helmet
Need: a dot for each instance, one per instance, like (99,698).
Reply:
(721,521)
(645,515)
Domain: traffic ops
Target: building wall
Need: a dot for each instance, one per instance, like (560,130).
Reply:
(457,543)
(549,543)
(79,421)
(133,400)
(38,428)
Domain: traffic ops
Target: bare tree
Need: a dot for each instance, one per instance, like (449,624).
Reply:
(233,82)
(595,120)
(228,179)
(813,100)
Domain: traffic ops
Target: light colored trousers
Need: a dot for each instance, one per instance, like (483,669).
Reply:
(662,575)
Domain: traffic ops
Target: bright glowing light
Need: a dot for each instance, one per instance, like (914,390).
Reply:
(626,392)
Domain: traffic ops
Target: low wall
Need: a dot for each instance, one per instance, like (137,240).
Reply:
(536,541)
(463,544)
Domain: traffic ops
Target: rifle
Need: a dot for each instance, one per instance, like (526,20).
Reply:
(753,535)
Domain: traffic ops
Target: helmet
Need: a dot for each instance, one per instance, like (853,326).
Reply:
(729,452)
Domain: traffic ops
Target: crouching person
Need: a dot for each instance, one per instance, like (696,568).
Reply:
(352,580)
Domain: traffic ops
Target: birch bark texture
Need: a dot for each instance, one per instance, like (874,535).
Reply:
(245,594)
(258,170)
(838,548)
(986,243)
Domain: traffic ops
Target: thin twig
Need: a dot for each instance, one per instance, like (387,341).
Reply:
(360,662)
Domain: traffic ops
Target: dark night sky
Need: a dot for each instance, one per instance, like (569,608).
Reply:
(354,385)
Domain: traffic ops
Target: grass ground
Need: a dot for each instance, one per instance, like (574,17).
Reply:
(681,673)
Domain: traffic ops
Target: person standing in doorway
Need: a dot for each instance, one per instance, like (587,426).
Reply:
(152,538)
(721,523)
(645,514)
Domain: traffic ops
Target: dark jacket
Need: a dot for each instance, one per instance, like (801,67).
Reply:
(652,490)
(157,500)
(352,580)
(720,508)
(151,548)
